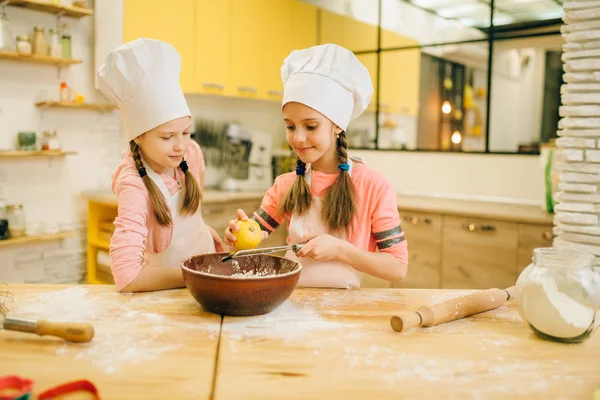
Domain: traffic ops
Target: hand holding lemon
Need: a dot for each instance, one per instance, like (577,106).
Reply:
(243,234)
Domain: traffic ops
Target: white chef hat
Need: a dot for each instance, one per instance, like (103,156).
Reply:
(329,79)
(142,78)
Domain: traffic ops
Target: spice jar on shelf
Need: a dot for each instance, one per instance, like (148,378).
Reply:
(54,46)
(65,93)
(16,220)
(24,45)
(65,41)
(50,141)
(40,46)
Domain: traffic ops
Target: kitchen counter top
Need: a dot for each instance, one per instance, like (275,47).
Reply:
(319,344)
(209,197)
(437,205)
(478,209)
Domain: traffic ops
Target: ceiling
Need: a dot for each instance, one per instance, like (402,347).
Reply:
(476,13)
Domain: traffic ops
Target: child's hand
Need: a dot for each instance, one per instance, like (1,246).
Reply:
(321,247)
(217,240)
(230,237)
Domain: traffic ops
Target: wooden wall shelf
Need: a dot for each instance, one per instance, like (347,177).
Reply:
(46,6)
(87,106)
(36,153)
(37,238)
(37,59)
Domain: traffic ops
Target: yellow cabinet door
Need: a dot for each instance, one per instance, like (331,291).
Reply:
(359,36)
(303,24)
(248,22)
(400,75)
(213,46)
(331,28)
(370,61)
(292,26)
(171,22)
(275,43)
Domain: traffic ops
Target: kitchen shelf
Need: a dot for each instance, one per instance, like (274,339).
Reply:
(86,106)
(37,238)
(37,59)
(36,153)
(46,6)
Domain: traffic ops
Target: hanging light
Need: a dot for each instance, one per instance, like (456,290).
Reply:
(456,137)
(446,107)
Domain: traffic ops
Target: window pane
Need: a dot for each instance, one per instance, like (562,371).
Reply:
(434,98)
(520,100)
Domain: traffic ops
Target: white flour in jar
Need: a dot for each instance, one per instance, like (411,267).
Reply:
(553,312)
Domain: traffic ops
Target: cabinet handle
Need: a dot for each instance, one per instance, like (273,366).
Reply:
(471,227)
(210,85)
(247,89)
(207,210)
(416,219)
(547,236)
(276,92)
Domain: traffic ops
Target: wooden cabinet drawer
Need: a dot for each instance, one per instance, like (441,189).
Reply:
(530,238)
(217,215)
(478,254)
(423,232)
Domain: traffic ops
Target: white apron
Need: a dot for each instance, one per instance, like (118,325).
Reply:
(190,233)
(322,274)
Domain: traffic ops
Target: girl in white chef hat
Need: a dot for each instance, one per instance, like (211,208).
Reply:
(159,181)
(345,211)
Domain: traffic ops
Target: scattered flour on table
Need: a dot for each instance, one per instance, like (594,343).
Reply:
(118,339)
(289,322)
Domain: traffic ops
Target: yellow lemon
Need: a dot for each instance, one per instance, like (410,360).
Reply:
(249,236)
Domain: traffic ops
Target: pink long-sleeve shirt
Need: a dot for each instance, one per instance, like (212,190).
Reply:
(136,228)
(377,222)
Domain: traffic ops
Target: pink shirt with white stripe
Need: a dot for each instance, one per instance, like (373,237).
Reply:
(377,222)
(136,228)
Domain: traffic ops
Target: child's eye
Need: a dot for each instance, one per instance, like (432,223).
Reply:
(186,133)
(311,127)
(166,138)
(289,128)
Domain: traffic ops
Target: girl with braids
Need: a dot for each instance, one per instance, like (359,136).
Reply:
(344,211)
(159,182)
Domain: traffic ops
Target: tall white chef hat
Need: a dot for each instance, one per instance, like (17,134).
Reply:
(142,78)
(329,79)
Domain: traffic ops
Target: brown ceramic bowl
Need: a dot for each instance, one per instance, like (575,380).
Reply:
(258,285)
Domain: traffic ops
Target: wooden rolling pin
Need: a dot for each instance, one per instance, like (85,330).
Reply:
(71,331)
(453,309)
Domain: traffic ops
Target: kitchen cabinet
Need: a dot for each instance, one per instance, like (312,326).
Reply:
(212,47)
(172,22)
(370,62)
(478,253)
(400,71)
(424,232)
(248,21)
(331,28)
(229,47)
(467,244)
(530,238)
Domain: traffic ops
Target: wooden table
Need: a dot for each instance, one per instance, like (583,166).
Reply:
(320,344)
(152,345)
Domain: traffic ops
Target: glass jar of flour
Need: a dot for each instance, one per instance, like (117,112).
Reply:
(558,295)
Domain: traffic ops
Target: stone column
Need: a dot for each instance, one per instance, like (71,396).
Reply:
(578,210)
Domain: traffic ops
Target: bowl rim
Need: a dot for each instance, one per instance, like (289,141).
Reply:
(241,278)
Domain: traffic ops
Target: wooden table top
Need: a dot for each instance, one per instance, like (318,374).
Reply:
(319,344)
